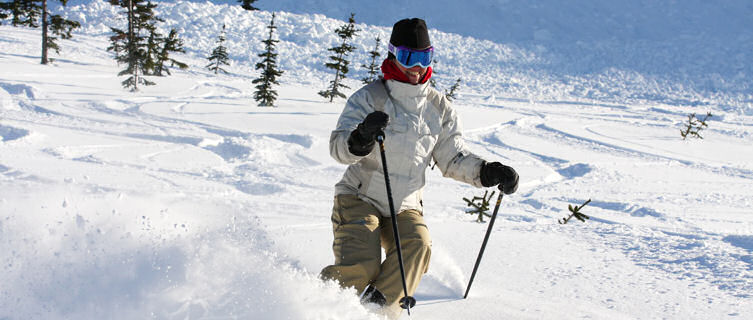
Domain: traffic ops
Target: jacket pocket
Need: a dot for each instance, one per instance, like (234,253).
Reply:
(425,145)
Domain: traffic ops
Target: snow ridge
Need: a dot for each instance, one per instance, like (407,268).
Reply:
(639,62)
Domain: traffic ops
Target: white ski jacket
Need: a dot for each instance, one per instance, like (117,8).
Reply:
(422,127)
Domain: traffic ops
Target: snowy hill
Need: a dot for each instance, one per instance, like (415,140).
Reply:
(705,43)
(186,201)
(691,53)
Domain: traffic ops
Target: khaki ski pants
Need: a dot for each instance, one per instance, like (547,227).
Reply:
(359,234)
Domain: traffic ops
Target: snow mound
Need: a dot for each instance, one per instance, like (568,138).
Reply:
(10,133)
(538,62)
(116,256)
(11,94)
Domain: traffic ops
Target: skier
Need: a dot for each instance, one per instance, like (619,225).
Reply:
(418,125)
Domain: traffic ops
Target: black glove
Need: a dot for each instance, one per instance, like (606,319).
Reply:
(495,173)
(361,140)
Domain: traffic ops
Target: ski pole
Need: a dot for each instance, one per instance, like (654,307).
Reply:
(406,302)
(486,239)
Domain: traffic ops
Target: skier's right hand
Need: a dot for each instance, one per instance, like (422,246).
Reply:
(361,140)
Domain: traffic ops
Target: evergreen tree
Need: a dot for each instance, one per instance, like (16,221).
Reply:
(694,126)
(373,67)
(130,46)
(339,62)
(264,94)
(60,27)
(23,12)
(146,22)
(5,7)
(479,205)
(31,13)
(170,44)
(142,48)
(575,212)
(219,55)
(451,95)
(247,4)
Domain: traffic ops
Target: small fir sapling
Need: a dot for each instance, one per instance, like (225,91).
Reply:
(264,94)
(373,67)
(130,45)
(170,44)
(141,48)
(219,56)
(452,93)
(147,20)
(575,212)
(694,126)
(479,206)
(339,62)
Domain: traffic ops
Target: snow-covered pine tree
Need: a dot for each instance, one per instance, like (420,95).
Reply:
(264,94)
(247,4)
(339,62)
(219,55)
(130,46)
(373,67)
(33,12)
(170,44)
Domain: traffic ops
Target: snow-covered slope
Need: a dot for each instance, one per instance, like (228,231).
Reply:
(186,201)
(707,44)
(692,53)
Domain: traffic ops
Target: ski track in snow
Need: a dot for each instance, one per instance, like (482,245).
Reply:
(717,259)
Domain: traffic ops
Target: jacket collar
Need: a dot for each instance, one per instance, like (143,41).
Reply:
(408,96)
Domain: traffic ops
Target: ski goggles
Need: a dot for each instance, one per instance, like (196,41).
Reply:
(409,58)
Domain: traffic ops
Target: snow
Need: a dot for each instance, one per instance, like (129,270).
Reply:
(186,201)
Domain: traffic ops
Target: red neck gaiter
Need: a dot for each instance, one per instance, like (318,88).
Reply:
(390,71)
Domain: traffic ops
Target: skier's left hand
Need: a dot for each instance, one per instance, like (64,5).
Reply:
(495,173)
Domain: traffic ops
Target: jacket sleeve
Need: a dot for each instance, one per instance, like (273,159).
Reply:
(450,154)
(358,106)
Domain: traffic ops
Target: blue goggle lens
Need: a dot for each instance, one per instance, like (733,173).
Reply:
(410,57)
